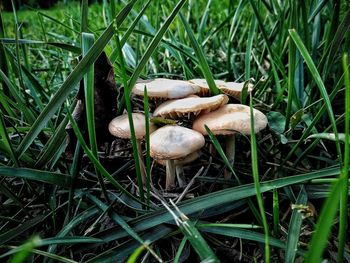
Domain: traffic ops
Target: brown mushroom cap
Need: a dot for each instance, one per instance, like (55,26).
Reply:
(119,126)
(184,160)
(234,88)
(204,87)
(192,105)
(165,88)
(173,142)
(229,119)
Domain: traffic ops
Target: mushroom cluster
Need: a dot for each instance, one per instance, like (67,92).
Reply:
(174,145)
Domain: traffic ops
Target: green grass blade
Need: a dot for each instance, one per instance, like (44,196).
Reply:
(148,146)
(179,250)
(241,233)
(291,65)
(201,57)
(59,179)
(135,256)
(343,222)
(84,14)
(7,142)
(127,91)
(89,90)
(249,47)
(294,228)
(23,251)
(255,171)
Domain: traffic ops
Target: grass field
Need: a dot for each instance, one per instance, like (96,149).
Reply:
(84,202)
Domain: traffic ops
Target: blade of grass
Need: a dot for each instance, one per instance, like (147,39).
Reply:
(22,252)
(84,14)
(3,60)
(249,47)
(135,255)
(58,179)
(291,64)
(255,171)
(7,142)
(148,146)
(180,249)
(127,91)
(294,228)
(87,40)
(201,57)
(241,233)
(343,221)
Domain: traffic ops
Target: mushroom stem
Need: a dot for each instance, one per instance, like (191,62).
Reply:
(142,165)
(180,175)
(170,174)
(230,154)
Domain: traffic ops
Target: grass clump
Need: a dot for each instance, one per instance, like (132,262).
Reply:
(89,204)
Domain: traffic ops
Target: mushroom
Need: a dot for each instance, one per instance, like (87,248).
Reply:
(173,142)
(234,88)
(179,165)
(165,88)
(203,85)
(193,105)
(228,120)
(120,127)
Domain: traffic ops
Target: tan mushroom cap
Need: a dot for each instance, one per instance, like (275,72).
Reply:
(119,126)
(165,88)
(173,142)
(192,105)
(229,119)
(234,88)
(204,87)
(184,160)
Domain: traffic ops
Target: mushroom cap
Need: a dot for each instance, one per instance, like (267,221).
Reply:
(204,87)
(184,160)
(165,88)
(119,126)
(234,88)
(229,119)
(193,104)
(173,142)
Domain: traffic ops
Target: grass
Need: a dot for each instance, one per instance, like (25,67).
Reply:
(92,206)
